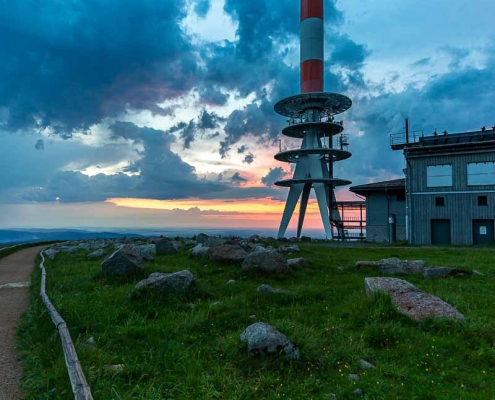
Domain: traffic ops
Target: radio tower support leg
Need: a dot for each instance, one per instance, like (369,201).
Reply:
(302,207)
(321,196)
(290,205)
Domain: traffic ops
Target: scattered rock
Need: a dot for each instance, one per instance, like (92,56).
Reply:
(114,368)
(254,238)
(262,338)
(363,364)
(282,239)
(124,261)
(202,238)
(269,289)
(269,261)
(15,285)
(89,344)
(228,253)
(297,262)
(200,251)
(341,269)
(50,253)
(166,283)
(231,282)
(146,251)
(163,246)
(332,395)
(289,249)
(444,272)
(215,241)
(217,304)
(410,300)
(395,266)
(305,239)
(96,254)
(358,392)
(353,377)
(253,318)
(293,240)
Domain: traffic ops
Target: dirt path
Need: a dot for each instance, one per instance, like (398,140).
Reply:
(15,268)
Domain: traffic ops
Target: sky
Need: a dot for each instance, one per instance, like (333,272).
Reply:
(159,113)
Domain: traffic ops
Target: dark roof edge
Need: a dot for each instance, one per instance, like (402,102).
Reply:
(395,184)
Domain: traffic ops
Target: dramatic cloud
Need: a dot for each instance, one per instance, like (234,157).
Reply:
(249,158)
(40,144)
(274,175)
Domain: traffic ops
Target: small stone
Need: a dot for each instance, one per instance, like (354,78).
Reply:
(289,249)
(253,318)
(445,272)
(89,344)
(341,269)
(332,395)
(353,377)
(177,282)
(231,282)
(114,368)
(305,239)
(200,251)
(358,392)
(365,364)
(297,262)
(96,254)
(269,289)
(217,304)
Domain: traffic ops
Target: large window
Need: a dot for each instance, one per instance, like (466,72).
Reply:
(439,175)
(481,173)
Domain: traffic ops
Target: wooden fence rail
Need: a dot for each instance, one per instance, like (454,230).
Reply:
(80,386)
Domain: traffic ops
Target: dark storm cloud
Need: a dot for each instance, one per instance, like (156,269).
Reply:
(242,149)
(237,179)
(208,120)
(202,7)
(274,175)
(67,65)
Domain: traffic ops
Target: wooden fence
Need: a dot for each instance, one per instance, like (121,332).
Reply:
(80,386)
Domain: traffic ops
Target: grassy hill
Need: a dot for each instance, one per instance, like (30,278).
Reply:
(186,347)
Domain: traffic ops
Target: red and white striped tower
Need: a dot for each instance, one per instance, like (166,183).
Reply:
(312,47)
(311,118)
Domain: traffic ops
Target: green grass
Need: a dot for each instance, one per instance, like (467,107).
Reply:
(182,347)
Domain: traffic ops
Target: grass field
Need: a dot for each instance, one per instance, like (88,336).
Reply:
(183,347)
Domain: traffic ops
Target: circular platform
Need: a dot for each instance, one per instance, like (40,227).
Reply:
(323,128)
(329,103)
(293,156)
(326,181)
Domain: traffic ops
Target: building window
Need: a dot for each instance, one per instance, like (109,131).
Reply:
(482,200)
(439,175)
(401,196)
(481,173)
(440,201)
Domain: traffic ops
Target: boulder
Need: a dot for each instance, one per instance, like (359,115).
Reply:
(297,262)
(50,253)
(394,266)
(163,246)
(96,254)
(200,251)
(289,249)
(254,238)
(215,241)
(445,272)
(166,283)
(363,364)
(305,239)
(202,238)
(146,251)
(293,240)
(228,253)
(269,289)
(269,261)
(262,338)
(124,261)
(410,300)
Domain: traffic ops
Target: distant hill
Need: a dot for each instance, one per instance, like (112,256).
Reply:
(44,235)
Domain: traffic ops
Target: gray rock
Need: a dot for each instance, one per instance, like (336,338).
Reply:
(96,254)
(293,240)
(215,241)
(200,251)
(289,249)
(163,246)
(269,261)
(166,283)
(202,238)
(363,364)
(305,239)
(410,300)
(395,266)
(231,282)
(217,304)
(297,262)
(50,253)
(227,253)
(146,251)
(444,272)
(353,377)
(332,395)
(253,318)
(254,238)
(114,368)
(124,261)
(178,245)
(269,289)
(264,339)
(358,392)
(89,344)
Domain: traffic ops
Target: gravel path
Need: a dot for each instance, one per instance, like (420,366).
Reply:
(13,302)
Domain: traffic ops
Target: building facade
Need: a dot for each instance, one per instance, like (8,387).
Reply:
(384,199)
(450,189)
